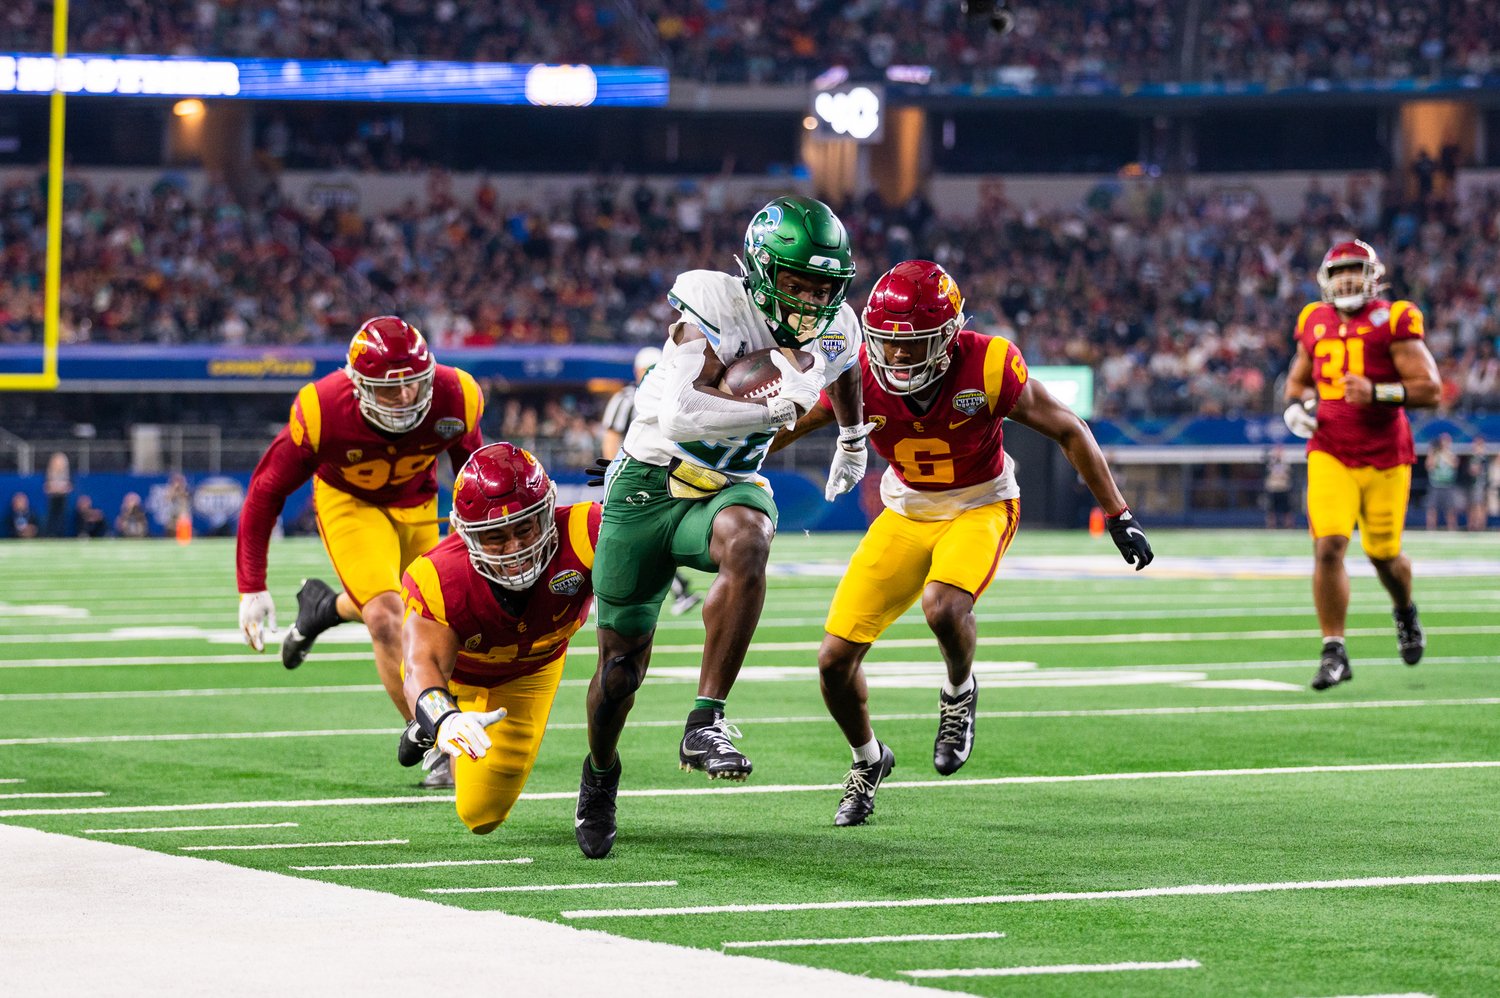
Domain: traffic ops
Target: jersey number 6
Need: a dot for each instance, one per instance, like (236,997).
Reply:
(921,460)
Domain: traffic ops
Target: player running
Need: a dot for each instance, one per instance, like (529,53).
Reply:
(369,436)
(1360,360)
(489,614)
(685,490)
(616,420)
(937,394)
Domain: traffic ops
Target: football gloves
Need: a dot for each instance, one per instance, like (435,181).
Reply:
(462,733)
(1301,418)
(1125,530)
(257,614)
(849,459)
(801,388)
(597,471)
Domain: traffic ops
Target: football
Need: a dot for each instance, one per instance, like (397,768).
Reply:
(754,376)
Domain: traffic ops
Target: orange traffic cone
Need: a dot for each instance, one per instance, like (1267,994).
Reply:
(1096,522)
(184,529)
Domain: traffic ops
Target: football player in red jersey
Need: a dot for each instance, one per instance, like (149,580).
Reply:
(371,434)
(936,395)
(1360,361)
(489,612)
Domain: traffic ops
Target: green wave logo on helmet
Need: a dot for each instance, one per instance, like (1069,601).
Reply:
(805,236)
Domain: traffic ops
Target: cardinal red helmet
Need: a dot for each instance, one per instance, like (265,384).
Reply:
(1350,275)
(502,486)
(915,308)
(389,352)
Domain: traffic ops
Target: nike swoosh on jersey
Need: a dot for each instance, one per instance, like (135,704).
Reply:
(954,426)
(558,614)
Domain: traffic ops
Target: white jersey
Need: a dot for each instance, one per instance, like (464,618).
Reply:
(719,305)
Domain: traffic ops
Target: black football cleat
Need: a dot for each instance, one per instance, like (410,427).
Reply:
(955,739)
(860,784)
(440,776)
(413,745)
(1334,666)
(1409,636)
(706,746)
(594,820)
(315,600)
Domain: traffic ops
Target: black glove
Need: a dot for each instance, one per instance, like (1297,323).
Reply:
(1128,536)
(597,471)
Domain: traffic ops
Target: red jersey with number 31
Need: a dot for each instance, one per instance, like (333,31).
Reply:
(494,646)
(1372,435)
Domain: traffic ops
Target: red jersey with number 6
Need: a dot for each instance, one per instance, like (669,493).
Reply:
(957,442)
(1371,435)
(496,646)
(328,436)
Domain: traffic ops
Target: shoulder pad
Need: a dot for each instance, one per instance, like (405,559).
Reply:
(708,298)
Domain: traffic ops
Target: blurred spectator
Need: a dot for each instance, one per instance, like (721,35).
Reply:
(88,520)
(23,519)
(1479,471)
(132,520)
(1278,489)
(1442,483)
(177,503)
(57,486)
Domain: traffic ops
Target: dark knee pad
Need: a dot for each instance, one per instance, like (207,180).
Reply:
(619,678)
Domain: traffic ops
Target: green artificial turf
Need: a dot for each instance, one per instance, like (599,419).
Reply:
(931,841)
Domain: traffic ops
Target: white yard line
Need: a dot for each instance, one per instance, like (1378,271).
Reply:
(298,845)
(851,940)
(71,663)
(770,788)
(211,736)
(1061,968)
(220,692)
(84,793)
(415,866)
(13,781)
(548,887)
(1404,994)
(185,828)
(1143,892)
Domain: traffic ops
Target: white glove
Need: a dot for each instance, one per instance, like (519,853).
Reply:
(257,615)
(1300,419)
(462,734)
(798,387)
(849,459)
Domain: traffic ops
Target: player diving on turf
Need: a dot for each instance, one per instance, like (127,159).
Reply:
(1360,361)
(937,394)
(685,489)
(369,436)
(489,614)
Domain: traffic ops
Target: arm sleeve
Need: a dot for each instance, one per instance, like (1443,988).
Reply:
(283,469)
(1406,322)
(687,414)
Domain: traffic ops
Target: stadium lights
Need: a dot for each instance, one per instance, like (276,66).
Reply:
(855,113)
(190,108)
(107,75)
(830,77)
(810,123)
(909,74)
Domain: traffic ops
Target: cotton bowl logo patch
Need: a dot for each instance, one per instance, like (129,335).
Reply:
(969,401)
(767,222)
(833,343)
(449,427)
(473,643)
(566,583)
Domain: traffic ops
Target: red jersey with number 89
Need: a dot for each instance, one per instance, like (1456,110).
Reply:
(957,442)
(1371,435)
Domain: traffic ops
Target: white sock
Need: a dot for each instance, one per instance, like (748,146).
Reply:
(868,752)
(1335,640)
(953,691)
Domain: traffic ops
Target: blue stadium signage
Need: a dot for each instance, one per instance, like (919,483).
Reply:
(412,81)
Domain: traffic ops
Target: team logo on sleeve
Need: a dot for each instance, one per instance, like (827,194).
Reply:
(448,427)
(354,454)
(566,583)
(1380,316)
(833,343)
(473,643)
(969,401)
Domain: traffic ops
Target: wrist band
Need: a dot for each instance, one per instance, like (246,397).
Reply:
(1390,392)
(433,705)
(852,438)
(783,411)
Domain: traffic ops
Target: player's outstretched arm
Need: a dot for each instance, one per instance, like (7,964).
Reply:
(846,395)
(430,651)
(1301,396)
(1037,409)
(283,469)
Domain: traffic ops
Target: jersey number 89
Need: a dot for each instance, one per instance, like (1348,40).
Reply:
(377,474)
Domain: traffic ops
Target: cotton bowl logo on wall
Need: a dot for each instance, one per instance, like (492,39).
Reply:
(218,500)
(855,112)
(561,86)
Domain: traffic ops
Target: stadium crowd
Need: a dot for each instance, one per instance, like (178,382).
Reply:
(1183,304)
(1119,42)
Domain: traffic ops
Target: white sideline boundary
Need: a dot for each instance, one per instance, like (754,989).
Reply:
(1142,892)
(416,866)
(186,828)
(1058,968)
(297,845)
(765,789)
(856,940)
(80,793)
(70,663)
(157,924)
(549,887)
(580,726)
